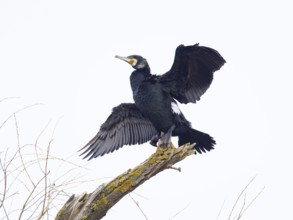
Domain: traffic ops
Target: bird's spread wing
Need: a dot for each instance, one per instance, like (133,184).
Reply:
(125,126)
(192,72)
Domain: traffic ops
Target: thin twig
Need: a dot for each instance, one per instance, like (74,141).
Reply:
(219,213)
(242,207)
(138,206)
(19,110)
(36,144)
(19,150)
(4,170)
(239,196)
(6,214)
(10,161)
(29,196)
(45,180)
(4,99)
(252,201)
(139,195)
(45,206)
(177,213)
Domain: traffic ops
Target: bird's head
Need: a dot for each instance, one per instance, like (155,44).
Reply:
(136,61)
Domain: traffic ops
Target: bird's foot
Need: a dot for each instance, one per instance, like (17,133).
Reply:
(162,144)
(165,141)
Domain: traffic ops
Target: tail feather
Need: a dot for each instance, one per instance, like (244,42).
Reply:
(204,142)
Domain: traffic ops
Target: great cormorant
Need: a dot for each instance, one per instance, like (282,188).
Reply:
(155,114)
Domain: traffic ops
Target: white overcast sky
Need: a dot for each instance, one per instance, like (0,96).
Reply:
(61,54)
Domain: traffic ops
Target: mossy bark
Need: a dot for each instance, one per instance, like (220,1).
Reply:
(96,204)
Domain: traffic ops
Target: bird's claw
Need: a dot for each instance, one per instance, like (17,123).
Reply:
(164,141)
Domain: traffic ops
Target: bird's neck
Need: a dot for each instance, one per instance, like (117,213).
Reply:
(139,76)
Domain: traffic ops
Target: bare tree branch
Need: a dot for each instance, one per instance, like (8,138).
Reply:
(24,206)
(96,204)
(252,201)
(244,207)
(239,196)
(26,177)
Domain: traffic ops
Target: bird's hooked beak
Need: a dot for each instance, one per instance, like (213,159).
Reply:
(131,61)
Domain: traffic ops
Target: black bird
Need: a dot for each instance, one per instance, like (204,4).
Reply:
(155,114)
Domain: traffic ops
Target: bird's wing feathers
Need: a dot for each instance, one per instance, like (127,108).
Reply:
(192,72)
(125,126)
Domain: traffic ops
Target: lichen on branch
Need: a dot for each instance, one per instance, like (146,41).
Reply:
(95,205)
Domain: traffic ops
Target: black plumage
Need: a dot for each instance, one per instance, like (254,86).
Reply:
(155,114)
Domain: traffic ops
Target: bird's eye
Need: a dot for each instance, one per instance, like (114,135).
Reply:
(133,61)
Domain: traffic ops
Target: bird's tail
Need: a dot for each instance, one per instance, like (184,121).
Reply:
(204,142)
